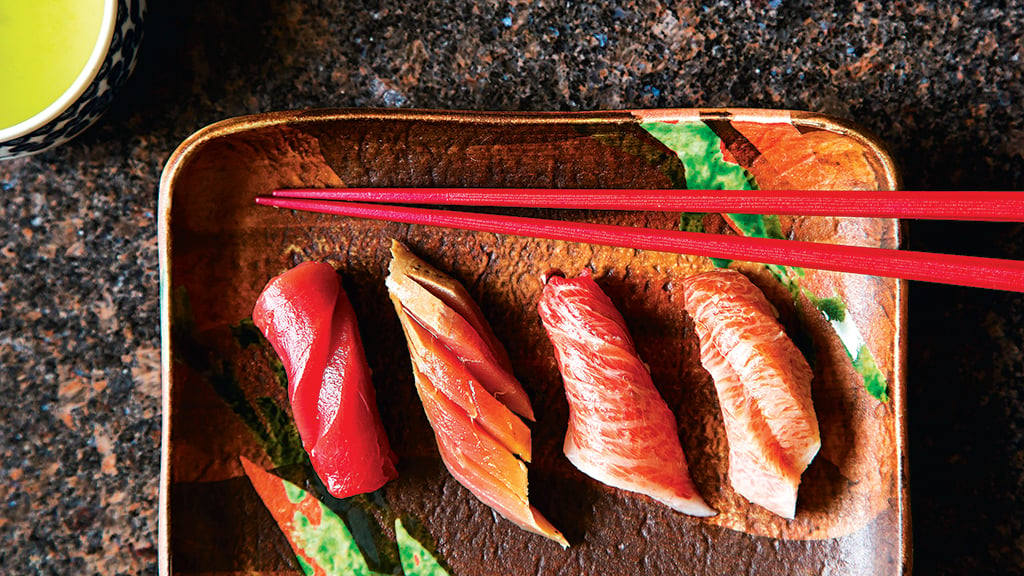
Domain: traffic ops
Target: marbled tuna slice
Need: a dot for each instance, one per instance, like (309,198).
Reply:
(621,431)
(763,384)
(416,560)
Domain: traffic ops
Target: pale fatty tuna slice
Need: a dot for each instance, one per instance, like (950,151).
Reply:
(763,384)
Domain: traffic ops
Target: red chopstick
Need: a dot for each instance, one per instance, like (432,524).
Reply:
(977,206)
(940,268)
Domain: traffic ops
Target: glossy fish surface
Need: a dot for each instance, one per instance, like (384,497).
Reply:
(763,384)
(482,443)
(308,319)
(621,432)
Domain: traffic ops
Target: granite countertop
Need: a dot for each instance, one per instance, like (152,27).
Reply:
(79,315)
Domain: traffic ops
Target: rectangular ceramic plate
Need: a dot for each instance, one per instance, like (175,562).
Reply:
(223,398)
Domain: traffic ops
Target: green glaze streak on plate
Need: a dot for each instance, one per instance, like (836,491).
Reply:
(637,144)
(295,494)
(691,222)
(274,427)
(757,225)
(833,308)
(285,447)
(269,423)
(246,333)
(694,222)
(416,561)
(321,541)
(217,371)
(328,544)
(700,151)
(874,381)
(306,568)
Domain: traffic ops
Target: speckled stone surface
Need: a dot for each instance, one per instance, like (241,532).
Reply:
(942,83)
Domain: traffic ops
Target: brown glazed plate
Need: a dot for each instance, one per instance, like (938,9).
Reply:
(223,396)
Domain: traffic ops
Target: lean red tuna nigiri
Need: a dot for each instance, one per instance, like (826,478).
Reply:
(310,322)
(621,431)
(481,442)
(763,384)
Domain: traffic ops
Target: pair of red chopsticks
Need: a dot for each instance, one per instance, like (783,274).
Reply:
(941,268)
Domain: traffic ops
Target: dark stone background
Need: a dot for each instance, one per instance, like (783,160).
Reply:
(940,82)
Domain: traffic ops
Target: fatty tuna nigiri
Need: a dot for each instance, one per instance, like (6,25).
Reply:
(763,384)
(621,431)
(481,442)
(309,321)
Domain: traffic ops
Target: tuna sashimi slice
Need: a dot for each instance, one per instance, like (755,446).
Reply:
(621,432)
(763,384)
(295,312)
(405,263)
(450,377)
(477,434)
(310,322)
(455,320)
(481,463)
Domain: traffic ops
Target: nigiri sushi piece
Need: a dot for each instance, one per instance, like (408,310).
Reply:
(445,373)
(444,307)
(621,431)
(308,319)
(763,384)
(482,443)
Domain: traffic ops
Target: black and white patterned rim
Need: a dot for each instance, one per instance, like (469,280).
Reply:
(117,67)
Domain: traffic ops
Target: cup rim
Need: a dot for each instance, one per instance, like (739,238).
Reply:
(77,88)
